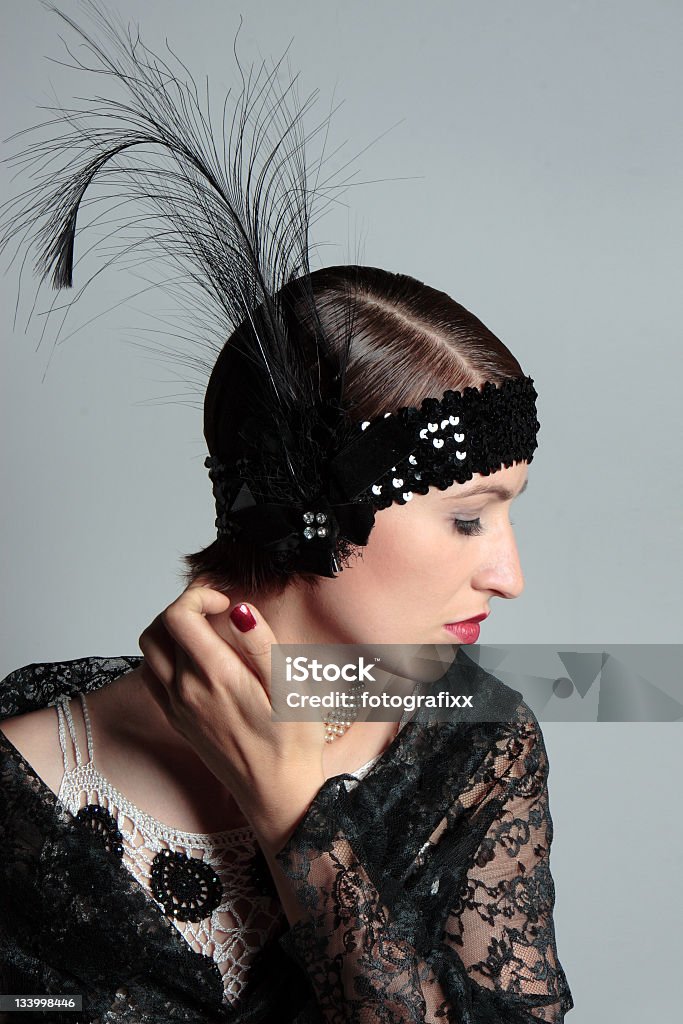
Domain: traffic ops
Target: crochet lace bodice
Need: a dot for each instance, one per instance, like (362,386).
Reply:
(245,918)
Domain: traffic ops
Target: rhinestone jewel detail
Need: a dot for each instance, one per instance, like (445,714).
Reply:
(310,531)
(188,888)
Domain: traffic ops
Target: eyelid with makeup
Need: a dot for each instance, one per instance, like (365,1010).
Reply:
(470,527)
(473,527)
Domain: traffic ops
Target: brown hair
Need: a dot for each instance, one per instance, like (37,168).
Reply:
(410,341)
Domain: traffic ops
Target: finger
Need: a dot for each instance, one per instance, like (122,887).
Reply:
(254,644)
(156,688)
(186,622)
(157,646)
(190,683)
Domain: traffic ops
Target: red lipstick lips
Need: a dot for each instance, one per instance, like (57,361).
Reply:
(466,631)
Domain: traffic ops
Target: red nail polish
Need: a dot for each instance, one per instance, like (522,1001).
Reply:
(242,617)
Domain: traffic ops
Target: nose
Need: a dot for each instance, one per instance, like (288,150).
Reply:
(501,574)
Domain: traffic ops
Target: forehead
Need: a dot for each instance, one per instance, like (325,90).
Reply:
(505,484)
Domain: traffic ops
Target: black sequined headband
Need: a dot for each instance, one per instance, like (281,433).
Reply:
(387,460)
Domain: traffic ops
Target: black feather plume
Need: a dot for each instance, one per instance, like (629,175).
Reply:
(232,208)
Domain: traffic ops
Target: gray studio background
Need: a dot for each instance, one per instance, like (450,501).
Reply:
(542,142)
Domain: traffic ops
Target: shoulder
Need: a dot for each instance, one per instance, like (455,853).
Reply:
(35,737)
(521,754)
(509,739)
(516,726)
(28,717)
(40,684)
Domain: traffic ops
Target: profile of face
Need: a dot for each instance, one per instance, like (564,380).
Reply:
(438,559)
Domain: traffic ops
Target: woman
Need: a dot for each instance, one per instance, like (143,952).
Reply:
(172,852)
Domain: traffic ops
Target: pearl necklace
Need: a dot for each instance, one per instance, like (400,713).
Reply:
(334,729)
(338,726)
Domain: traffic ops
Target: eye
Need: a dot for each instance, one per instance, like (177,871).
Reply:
(468,527)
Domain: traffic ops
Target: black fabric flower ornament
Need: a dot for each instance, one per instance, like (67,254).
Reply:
(308,534)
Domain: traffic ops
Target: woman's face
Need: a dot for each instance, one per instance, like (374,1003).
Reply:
(438,559)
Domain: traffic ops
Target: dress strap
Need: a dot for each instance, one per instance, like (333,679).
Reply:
(64,714)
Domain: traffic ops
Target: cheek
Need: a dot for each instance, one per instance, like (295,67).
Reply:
(373,599)
(420,568)
(404,581)
(403,564)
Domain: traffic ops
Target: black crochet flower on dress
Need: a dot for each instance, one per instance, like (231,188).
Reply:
(100,821)
(188,888)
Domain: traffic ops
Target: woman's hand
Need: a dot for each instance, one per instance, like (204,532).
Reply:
(216,694)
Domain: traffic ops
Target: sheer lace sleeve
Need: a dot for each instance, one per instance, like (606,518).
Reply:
(466,933)
(502,925)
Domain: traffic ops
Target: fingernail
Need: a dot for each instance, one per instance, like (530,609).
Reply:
(242,617)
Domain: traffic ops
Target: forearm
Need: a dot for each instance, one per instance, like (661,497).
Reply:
(358,958)
(274,820)
(361,961)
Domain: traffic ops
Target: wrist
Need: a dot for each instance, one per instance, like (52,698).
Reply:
(275,815)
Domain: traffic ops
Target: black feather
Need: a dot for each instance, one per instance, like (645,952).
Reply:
(232,209)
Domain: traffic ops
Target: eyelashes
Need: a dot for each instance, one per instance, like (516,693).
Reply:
(471,527)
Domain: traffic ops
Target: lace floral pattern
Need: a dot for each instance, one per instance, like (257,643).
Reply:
(426,887)
(408,947)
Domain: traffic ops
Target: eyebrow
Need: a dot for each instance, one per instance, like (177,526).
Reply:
(501,492)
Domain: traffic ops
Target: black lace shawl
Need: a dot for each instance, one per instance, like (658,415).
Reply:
(428,886)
